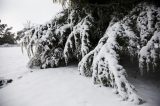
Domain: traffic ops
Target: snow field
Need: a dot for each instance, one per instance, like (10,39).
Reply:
(61,86)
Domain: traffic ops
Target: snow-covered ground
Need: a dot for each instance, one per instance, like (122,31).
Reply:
(59,86)
(12,62)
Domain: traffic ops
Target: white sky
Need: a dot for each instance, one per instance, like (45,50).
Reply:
(16,13)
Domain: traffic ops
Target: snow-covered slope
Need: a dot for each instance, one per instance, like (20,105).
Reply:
(59,86)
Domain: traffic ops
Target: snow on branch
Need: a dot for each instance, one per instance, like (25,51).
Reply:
(44,43)
(137,36)
(78,39)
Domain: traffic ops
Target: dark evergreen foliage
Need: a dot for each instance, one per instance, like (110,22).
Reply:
(6,36)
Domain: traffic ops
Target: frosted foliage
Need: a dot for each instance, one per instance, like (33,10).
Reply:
(60,39)
(137,36)
(78,41)
(44,43)
(149,53)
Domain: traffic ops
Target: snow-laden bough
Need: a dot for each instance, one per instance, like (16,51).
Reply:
(137,35)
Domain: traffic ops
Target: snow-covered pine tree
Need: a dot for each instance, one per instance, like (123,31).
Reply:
(136,35)
(66,37)
(45,43)
(98,36)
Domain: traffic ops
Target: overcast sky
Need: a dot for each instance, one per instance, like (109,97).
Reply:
(17,12)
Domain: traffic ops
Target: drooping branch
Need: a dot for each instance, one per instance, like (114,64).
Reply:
(137,35)
(78,41)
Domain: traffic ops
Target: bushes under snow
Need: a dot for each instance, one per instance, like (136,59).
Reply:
(64,38)
(71,35)
(137,35)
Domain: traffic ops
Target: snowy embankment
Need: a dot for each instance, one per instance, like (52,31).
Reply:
(59,86)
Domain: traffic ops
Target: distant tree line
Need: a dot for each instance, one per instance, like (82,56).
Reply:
(6,36)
